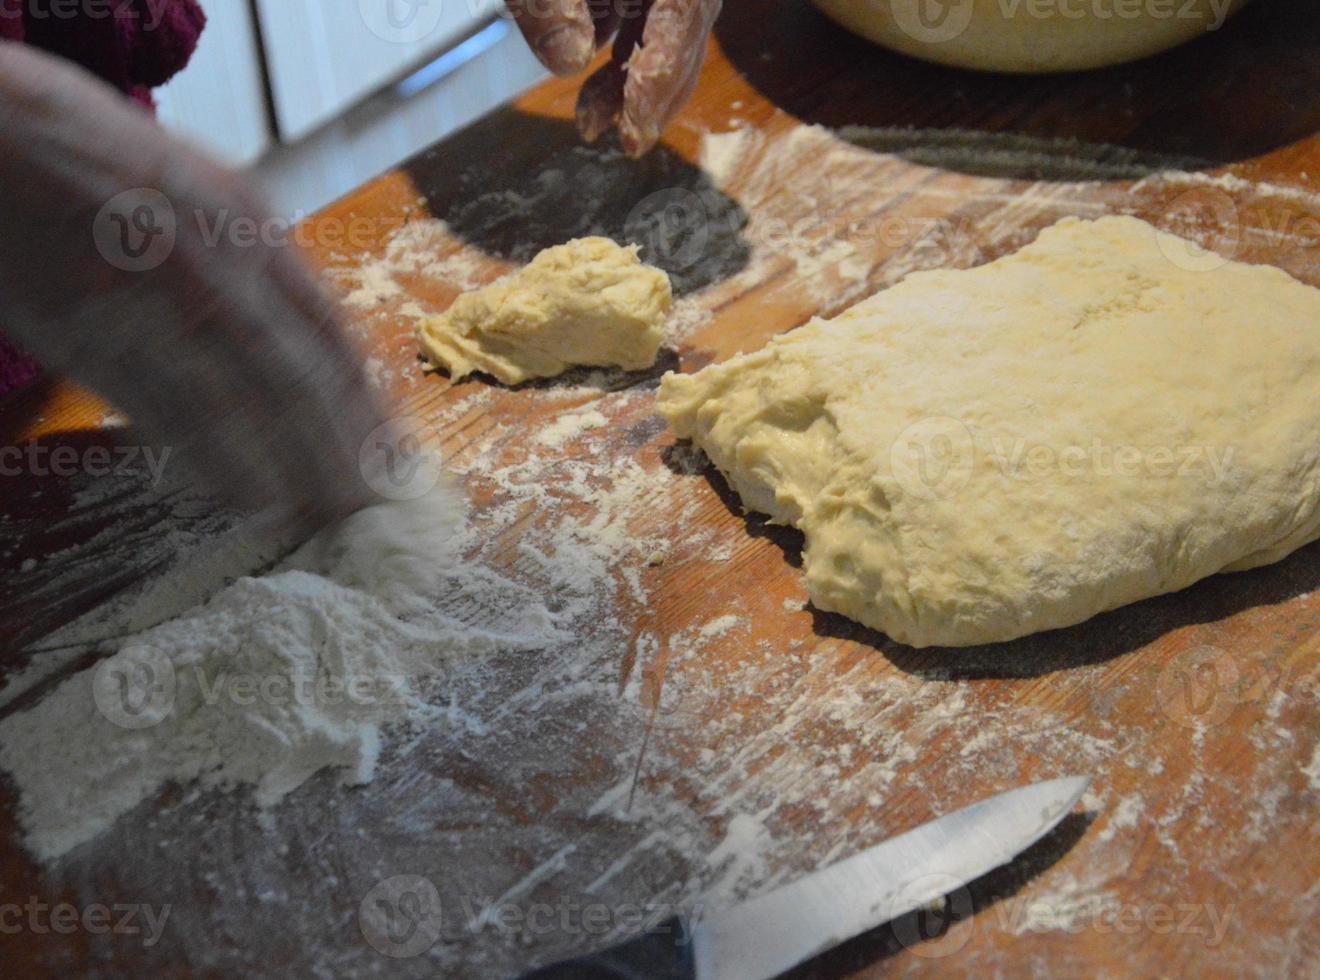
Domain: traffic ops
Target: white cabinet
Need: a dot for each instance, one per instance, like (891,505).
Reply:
(219,100)
(399,121)
(326,55)
(322,113)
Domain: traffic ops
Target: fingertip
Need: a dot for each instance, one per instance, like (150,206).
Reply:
(600,102)
(637,141)
(567,49)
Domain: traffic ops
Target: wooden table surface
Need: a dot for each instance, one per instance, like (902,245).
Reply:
(720,735)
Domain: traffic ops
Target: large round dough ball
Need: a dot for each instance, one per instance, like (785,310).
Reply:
(1031,35)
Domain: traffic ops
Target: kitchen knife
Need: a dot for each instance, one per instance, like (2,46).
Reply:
(764,937)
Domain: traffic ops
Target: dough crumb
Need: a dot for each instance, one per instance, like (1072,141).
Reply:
(589,302)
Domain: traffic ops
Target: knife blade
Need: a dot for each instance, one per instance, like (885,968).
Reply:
(775,932)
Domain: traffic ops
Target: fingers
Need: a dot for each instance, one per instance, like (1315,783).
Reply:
(600,102)
(657,60)
(562,33)
(663,71)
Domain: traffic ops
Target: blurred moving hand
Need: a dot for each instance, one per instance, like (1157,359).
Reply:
(216,344)
(659,47)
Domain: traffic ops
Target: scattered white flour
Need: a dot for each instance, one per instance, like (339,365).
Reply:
(272,680)
(1312,769)
(1125,814)
(687,317)
(739,859)
(718,766)
(423,248)
(718,627)
(1066,908)
(377,374)
(570,426)
(723,153)
(721,552)
(1232,184)
(375,285)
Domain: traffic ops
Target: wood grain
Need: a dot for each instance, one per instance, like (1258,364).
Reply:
(1196,713)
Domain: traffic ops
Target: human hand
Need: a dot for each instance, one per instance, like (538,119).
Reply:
(220,346)
(659,48)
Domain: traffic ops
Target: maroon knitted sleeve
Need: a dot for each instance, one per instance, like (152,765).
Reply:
(11,20)
(135,45)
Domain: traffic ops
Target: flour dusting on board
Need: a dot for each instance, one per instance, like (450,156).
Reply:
(272,680)
(642,743)
(421,248)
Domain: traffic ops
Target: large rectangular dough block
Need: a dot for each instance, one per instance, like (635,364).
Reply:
(977,455)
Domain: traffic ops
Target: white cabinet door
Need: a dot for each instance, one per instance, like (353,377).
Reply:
(219,100)
(325,55)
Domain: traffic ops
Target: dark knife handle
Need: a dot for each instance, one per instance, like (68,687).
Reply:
(664,953)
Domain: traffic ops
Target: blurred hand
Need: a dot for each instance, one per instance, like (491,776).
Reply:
(659,47)
(220,346)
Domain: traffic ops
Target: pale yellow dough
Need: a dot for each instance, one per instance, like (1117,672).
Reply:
(589,302)
(973,456)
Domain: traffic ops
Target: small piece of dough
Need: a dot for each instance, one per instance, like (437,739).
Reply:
(1107,415)
(590,302)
